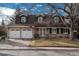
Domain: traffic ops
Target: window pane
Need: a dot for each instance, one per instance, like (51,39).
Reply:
(40,19)
(57,30)
(50,30)
(62,30)
(23,19)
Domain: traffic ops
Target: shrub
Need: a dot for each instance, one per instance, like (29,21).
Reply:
(2,33)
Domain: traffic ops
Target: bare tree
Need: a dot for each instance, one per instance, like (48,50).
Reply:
(70,10)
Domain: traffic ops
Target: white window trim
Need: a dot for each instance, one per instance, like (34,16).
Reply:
(56,20)
(53,31)
(23,19)
(65,31)
(40,19)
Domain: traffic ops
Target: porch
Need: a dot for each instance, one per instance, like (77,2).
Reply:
(52,32)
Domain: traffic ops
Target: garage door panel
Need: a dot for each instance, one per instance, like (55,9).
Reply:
(20,33)
(26,34)
(14,34)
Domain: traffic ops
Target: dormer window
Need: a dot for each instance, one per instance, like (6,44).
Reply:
(56,20)
(40,19)
(23,19)
(67,21)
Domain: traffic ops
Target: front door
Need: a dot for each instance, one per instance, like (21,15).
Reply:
(41,32)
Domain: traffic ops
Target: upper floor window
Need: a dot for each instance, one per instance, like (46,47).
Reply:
(40,19)
(23,19)
(67,21)
(56,20)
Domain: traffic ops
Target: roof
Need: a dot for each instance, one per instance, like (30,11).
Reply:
(32,21)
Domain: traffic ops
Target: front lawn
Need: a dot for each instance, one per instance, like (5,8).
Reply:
(54,43)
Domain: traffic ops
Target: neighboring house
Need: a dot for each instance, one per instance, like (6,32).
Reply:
(37,26)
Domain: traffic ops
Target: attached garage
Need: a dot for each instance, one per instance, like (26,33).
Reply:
(14,34)
(26,34)
(19,33)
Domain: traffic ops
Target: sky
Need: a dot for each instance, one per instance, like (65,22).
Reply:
(8,9)
(34,7)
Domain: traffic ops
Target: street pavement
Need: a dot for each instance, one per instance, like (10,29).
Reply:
(39,52)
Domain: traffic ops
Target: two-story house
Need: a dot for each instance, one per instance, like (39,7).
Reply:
(37,26)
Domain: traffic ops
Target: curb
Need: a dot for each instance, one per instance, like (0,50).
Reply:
(39,48)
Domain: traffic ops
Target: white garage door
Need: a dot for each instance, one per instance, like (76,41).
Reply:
(26,34)
(14,34)
(20,33)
